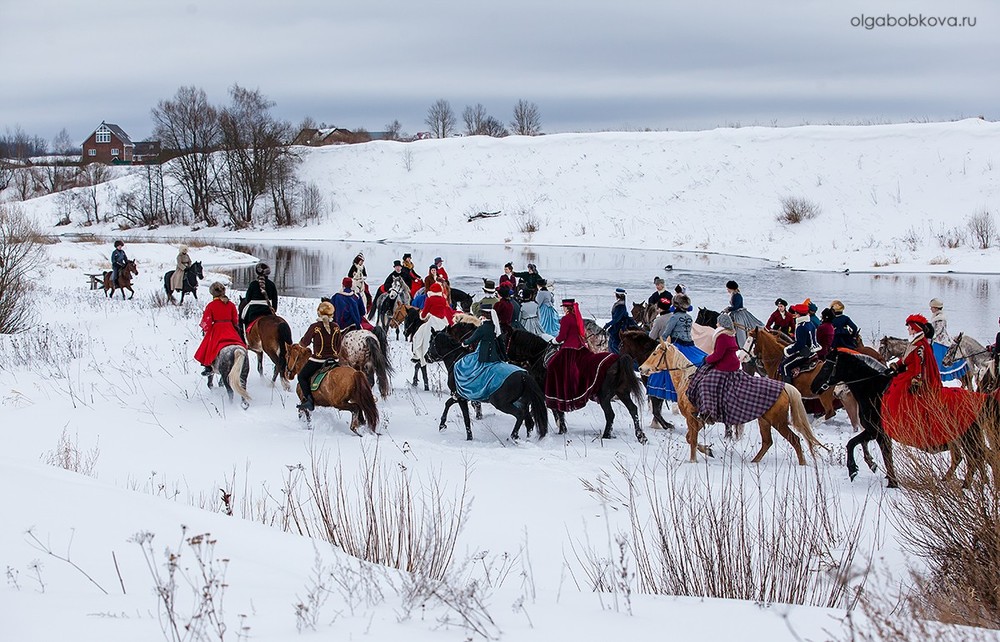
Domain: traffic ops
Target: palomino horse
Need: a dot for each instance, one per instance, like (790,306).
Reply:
(518,396)
(192,274)
(125,275)
(868,380)
(667,357)
(232,366)
(343,388)
(365,351)
(271,334)
(638,345)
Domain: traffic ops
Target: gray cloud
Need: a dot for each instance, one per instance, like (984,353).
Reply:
(589,65)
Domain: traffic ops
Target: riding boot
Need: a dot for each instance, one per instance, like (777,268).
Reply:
(307,404)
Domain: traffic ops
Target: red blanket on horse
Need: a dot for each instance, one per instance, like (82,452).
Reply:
(574,376)
(926,415)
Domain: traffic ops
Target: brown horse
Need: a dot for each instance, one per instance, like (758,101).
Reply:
(768,349)
(271,334)
(343,388)
(124,282)
(644,314)
(667,357)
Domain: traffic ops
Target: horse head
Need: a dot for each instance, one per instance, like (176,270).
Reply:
(826,376)
(707,317)
(659,359)
(196,270)
(131,267)
(295,358)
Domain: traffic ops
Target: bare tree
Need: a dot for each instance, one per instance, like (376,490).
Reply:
(527,119)
(62,144)
(20,255)
(473,116)
(441,119)
(26,182)
(189,125)
(361,135)
(6,173)
(92,176)
(393,131)
(253,142)
(492,127)
(55,177)
(282,185)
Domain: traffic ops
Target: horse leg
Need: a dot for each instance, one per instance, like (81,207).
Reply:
(479,410)
(852,465)
(423,373)
(609,417)
(452,400)
(560,420)
(633,412)
(955,450)
(793,439)
(416,370)
(464,405)
(885,445)
(657,406)
(766,439)
(211,380)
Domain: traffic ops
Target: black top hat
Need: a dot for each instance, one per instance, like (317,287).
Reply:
(397,263)
(569,302)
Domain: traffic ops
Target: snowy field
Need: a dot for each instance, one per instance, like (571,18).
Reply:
(108,388)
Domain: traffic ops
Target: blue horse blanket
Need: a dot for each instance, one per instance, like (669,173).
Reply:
(955,371)
(477,381)
(659,384)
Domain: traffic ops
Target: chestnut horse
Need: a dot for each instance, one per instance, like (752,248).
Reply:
(271,334)
(343,388)
(667,357)
(768,350)
(124,282)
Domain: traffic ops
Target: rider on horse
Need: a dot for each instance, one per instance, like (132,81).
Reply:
(348,306)
(845,333)
(261,297)
(660,292)
(359,276)
(220,325)
(620,320)
(118,261)
(504,310)
(805,345)
(325,339)
(398,280)
(781,319)
(530,280)
(183,263)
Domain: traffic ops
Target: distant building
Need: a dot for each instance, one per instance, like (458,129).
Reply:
(109,144)
(318,137)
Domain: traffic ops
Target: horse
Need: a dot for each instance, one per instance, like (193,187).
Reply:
(977,358)
(192,274)
(638,345)
(768,350)
(343,388)
(595,335)
(644,314)
(519,396)
(369,352)
(868,380)
(124,282)
(386,310)
(461,300)
(895,348)
(271,334)
(706,317)
(667,357)
(232,365)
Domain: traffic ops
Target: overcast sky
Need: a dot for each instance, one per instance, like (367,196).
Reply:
(588,65)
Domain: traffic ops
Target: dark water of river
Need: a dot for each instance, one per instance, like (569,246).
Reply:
(878,303)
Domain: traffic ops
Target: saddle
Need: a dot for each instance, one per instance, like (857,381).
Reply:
(320,375)
(807,366)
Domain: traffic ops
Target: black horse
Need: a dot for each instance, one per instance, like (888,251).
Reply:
(707,317)
(192,274)
(518,396)
(868,379)
(461,300)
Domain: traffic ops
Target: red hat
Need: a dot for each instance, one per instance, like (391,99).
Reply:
(916,320)
(800,308)
(348,282)
(435,287)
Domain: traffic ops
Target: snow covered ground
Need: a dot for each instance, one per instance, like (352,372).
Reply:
(890,197)
(154,449)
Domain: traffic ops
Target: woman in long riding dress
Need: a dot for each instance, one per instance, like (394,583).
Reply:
(220,325)
(941,341)
(530,313)
(548,318)
(743,320)
(359,277)
(437,315)
(676,329)
(183,263)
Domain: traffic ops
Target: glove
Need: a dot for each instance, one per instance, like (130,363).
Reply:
(916,385)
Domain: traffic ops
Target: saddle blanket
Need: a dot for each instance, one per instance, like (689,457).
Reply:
(320,375)
(476,381)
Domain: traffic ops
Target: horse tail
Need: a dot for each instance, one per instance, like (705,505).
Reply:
(166,282)
(383,342)
(363,397)
(536,403)
(800,420)
(627,378)
(284,339)
(236,372)
(380,362)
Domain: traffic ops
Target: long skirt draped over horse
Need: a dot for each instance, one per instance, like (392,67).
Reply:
(219,323)
(659,384)
(422,338)
(955,371)
(573,377)
(932,415)
(732,397)
(476,381)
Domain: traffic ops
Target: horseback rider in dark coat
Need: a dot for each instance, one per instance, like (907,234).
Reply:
(845,333)
(118,261)
(398,274)
(261,297)
(620,320)
(529,279)
(805,345)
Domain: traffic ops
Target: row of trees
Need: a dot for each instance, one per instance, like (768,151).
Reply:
(441,119)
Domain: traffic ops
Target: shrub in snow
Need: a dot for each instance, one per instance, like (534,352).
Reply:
(983,228)
(795,209)
(20,255)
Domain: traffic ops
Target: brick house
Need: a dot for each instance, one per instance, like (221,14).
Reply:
(109,144)
(313,137)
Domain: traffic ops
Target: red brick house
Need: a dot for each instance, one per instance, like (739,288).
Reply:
(109,144)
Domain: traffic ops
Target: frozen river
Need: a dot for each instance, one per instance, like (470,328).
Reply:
(878,303)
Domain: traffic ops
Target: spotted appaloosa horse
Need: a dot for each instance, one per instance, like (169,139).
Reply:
(369,352)
(232,365)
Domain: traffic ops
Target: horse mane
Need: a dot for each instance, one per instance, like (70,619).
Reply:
(869,361)
(678,363)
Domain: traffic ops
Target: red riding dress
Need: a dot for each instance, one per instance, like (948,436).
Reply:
(219,323)
(928,415)
(574,374)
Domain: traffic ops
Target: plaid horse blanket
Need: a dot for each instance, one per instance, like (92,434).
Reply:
(574,375)
(732,397)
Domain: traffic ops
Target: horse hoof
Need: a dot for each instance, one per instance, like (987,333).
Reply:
(853,474)
(468,436)
(442,426)
(427,388)
(892,484)
(245,404)
(641,437)
(874,467)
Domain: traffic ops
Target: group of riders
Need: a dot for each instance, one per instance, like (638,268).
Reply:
(521,300)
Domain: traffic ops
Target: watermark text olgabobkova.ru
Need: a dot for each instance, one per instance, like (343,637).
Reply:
(911,20)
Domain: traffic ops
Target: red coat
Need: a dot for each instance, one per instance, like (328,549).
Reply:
(932,415)
(219,323)
(505,313)
(437,306)
(784,323)
(569,332)
(442,274)
(824,337)
(724,355)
